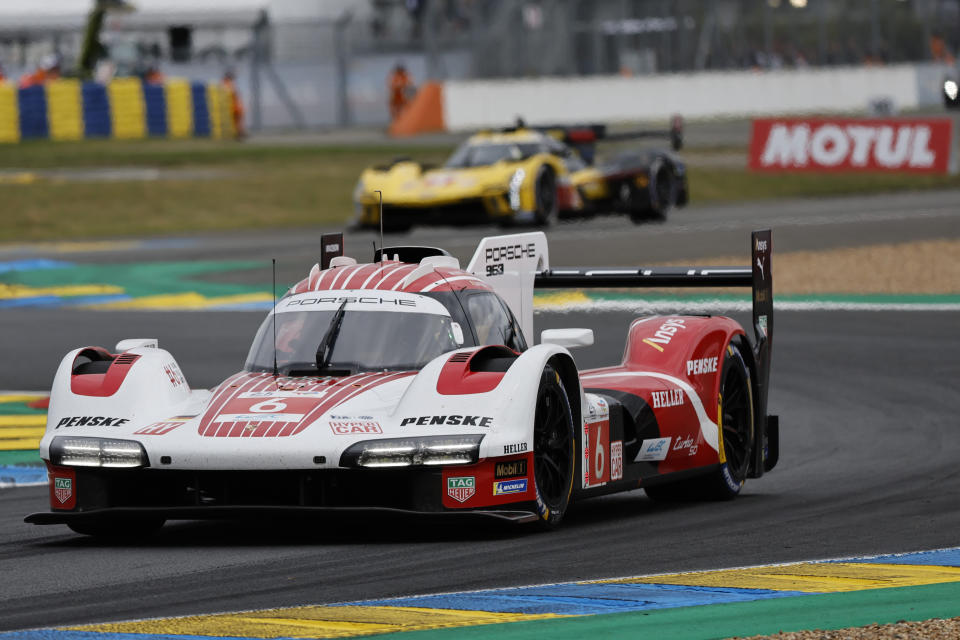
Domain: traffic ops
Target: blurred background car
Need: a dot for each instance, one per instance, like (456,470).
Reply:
(525,175)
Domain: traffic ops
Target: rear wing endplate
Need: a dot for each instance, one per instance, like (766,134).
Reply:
(510,264)
(331,246)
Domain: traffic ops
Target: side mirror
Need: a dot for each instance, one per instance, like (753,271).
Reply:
(457,333)
(136,343)
(569,338)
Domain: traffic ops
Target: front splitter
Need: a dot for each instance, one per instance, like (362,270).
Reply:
(248,512)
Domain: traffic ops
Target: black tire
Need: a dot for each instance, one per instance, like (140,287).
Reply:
(118,529)
(631,198)
(554,450)
(737,424)
(547,203)
(735,406)
(660,197)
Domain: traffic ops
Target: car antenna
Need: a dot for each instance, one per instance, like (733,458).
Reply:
(377,191)
(275,370)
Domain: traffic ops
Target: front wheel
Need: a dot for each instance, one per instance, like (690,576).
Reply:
(553,450)
(399,226)
(546,204)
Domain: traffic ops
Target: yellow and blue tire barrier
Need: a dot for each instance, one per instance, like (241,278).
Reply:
(125,108)
(9,113)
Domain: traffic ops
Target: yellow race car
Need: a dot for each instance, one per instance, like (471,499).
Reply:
(525,175)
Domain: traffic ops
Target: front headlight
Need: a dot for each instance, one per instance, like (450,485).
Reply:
(516,181)
(69,451)
(408,452)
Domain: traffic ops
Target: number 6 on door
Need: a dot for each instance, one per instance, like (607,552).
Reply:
(596,453)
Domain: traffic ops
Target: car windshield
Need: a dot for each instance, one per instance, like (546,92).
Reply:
(365,341)
(480,155)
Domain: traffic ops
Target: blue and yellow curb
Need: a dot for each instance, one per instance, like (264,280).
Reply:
(156,286)
(172,286)
(700,604)
(22,423)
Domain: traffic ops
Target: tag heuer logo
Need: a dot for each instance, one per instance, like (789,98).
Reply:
(63,489)
(462,488)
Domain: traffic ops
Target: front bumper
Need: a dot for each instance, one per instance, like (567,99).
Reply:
(479,210)
(196,495)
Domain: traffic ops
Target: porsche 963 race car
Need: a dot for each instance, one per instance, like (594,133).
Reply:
(525,175)
(410,384)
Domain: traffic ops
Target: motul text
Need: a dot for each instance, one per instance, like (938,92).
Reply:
(911,145)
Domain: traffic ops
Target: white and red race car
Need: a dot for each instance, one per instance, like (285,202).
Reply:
(408,384)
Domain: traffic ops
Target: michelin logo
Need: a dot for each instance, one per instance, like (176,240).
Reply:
(505,487)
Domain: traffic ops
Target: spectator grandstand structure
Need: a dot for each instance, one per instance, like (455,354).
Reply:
(326,63)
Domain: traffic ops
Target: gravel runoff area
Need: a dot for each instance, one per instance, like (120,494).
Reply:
(922,267)
(935,629)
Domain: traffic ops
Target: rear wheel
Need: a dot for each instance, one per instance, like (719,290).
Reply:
(553,449)
(119,529)
(661,194)
(735,408)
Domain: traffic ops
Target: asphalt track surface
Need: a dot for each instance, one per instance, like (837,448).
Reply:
(694,232)
(869,453)
(868,412)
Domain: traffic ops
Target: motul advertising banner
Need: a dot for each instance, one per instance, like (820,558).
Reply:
(916,145)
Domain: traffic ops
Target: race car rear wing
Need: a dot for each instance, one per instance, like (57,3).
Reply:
(598,132)
(757,276)
(584,137)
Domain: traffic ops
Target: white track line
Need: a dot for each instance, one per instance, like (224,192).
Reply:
(710,306)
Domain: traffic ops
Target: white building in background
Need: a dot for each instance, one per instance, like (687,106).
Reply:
(61,13)
(30,30)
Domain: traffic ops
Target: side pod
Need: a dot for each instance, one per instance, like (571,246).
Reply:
(758,276)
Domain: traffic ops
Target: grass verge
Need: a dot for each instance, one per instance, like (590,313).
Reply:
(44,154)
(723,185)
(258,186)
(254,187)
